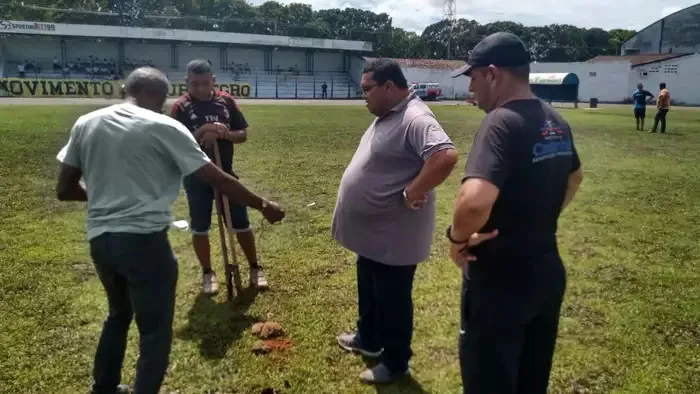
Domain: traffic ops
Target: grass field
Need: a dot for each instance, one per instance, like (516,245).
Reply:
(630,324)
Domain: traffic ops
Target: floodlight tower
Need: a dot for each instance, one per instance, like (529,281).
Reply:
(449,12)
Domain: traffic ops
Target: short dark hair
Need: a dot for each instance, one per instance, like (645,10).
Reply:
(662,85)
(520,72)
(147,80)
(386,70)
(199,67)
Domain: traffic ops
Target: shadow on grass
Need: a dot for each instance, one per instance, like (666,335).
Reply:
(407,385)
(217,325)
(404,385)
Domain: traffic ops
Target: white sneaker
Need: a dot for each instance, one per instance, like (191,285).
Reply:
(258,279)
(209,283)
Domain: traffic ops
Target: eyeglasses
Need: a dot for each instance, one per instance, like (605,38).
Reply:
(367,89)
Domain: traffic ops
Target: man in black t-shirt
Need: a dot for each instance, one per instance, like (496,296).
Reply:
(523,169)
(214,116)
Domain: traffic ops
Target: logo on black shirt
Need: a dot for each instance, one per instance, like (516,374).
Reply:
(551,129)
(554,145)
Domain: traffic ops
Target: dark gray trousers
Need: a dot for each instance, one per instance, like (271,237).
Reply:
(386,311)
(139,274)
(510,319)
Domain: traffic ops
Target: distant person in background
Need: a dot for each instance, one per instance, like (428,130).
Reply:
(663,104)
(640,97)
(324,91)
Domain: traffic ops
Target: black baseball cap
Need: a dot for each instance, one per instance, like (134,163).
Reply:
(499,49)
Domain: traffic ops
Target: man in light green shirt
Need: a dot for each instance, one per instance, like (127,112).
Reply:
(133,159)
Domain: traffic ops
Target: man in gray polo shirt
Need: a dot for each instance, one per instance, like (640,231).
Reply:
(385,213)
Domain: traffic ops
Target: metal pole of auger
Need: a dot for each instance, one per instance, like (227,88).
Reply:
(231,269)
(224,249)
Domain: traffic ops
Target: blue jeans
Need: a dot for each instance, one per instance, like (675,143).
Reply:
(139,274)
(386,311)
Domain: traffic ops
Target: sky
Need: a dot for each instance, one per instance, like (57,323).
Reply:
(415,15)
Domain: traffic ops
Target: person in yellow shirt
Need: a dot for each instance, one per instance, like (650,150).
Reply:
(663,104)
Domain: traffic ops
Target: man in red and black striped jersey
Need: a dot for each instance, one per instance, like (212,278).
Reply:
(213,116)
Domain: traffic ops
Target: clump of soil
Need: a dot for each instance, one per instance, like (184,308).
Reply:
(271,345)
(268,329)
(269,333)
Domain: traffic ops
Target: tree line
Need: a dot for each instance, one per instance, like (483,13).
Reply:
(441,40)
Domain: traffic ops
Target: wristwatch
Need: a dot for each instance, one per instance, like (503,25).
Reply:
(264,205)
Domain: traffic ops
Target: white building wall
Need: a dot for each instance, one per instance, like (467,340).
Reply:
(83,49)
(187,53)
(255,58)
(2,58)
(357,63)
(284,59)
(682,77)
(159,54)
(608,81)
(38,49)
(328,61)
(452,88)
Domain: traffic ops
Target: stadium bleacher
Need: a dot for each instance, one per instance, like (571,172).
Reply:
(284,72)
(283,84)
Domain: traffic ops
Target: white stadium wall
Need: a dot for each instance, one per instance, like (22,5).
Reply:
(357,63)
(160,54)
(2,58)
(606,81)
(286,58)
(187,52)
(254,58)
(328,61)
(82,49)
(38,49)
(682,77)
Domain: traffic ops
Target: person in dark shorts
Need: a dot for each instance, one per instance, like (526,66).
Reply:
(132,158)
(522,170)
(214,116)
(640,98)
